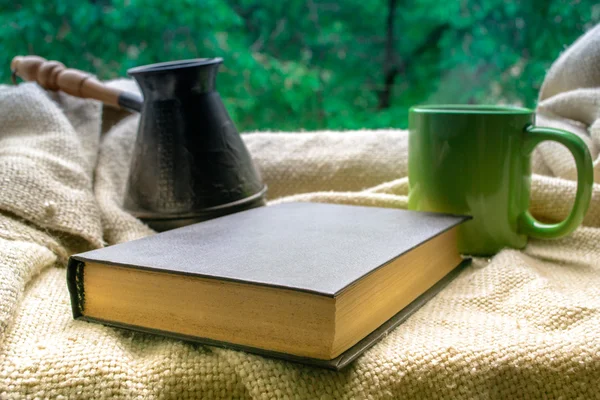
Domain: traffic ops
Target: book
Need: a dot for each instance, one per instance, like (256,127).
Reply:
(307,282)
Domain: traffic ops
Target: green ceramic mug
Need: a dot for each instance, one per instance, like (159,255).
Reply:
(476,160)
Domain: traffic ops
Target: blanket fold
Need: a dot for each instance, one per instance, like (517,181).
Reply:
(521,324)
(47,165)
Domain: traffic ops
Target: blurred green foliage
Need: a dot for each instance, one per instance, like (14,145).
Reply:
(313,64)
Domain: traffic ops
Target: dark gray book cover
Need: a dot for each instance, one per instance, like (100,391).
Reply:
(310,247)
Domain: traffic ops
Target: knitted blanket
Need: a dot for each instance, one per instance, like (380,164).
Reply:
(523,324)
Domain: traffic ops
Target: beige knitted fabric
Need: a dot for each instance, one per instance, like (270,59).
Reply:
(524,324)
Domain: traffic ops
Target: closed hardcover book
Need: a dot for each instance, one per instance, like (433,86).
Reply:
(307,282)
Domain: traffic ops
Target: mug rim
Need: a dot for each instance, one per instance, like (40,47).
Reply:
(459,109)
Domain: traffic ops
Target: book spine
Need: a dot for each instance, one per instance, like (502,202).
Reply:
(75,285)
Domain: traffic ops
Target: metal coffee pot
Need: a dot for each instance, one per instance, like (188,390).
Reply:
(189,162)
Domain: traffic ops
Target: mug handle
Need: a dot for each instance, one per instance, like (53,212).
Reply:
(585,179)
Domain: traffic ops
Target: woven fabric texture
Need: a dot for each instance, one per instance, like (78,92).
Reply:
(523,324)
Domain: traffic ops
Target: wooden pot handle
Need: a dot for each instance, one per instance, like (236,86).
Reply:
(53,75)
